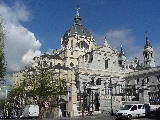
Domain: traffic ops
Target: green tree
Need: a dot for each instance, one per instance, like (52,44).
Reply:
(2,104)
(43,81)
(2,55)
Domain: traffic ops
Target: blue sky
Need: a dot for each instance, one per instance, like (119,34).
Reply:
(51,18)
(34,26)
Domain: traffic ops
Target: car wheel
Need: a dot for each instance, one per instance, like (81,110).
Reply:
(129,117)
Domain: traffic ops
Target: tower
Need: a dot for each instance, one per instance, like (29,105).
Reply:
(148,54)
(121,58)
(76,41)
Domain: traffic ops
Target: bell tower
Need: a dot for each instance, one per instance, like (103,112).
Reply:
(121,58)
(148,54)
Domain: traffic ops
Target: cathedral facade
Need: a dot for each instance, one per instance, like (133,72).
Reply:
(100,76)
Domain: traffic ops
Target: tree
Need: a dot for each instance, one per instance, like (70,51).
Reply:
(43,81)
(2,56)
(2,104)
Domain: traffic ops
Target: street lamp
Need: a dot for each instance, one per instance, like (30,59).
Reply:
(111,92)
(90,87)
(84,95)
(84,92)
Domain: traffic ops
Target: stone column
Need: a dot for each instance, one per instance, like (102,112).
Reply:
(73,96)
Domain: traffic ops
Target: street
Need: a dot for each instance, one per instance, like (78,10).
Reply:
(95,117)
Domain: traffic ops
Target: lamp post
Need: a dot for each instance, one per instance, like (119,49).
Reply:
(91,83)
(84,94)
(111,92)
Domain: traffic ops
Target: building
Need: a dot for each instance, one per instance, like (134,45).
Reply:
(101,77)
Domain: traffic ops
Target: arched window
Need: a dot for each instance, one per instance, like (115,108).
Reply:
(83,44)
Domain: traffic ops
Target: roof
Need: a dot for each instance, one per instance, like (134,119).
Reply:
(77,28)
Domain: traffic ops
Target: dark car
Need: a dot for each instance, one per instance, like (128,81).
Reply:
(1,116)
(157,112)
(4,116)
(8,116)
(12,116)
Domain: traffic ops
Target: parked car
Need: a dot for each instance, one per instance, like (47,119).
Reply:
(30,111)
(13,116)
(4,116)
(8,116)
(157,112)
(130,111)
(1,116)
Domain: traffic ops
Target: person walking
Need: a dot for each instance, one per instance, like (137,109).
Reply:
(91,111)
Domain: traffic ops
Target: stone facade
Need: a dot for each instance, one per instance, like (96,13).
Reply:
(100,76)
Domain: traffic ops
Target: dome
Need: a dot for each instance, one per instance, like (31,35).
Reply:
(77,28)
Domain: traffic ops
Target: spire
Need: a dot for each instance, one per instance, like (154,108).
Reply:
(146,36)
(77,10)
(121,57)
(105,41)
(122,52)
(147,41)
(77,18)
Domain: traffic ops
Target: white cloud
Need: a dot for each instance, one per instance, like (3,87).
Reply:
(21,44)
(116,37)
(26,58)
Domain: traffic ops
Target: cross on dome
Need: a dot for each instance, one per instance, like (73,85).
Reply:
(77,9)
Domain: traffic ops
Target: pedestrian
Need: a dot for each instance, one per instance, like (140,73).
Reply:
(91,110)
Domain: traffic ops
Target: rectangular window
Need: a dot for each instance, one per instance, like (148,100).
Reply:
(134,108)
(50,64)
(72,43)
(106,64)
(140,106)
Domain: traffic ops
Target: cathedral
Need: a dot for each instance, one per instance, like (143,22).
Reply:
(100,76)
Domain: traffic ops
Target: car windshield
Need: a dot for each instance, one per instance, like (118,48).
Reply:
(126,107)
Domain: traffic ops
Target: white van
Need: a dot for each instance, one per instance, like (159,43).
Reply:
(132,111)
(30,111)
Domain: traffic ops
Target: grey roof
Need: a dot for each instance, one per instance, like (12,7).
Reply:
(77,28)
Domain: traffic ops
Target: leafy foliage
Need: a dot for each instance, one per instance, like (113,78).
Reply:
(2,56)
(43,81)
